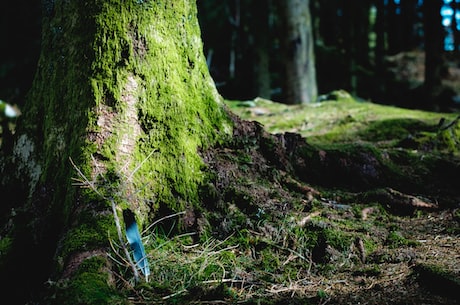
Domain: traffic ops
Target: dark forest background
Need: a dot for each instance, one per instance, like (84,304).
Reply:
(375,49)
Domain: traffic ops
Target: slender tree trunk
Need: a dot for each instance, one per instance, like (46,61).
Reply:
(122,92)
(298,44)
(329,24)
(455,26)
(362,26)
(394,28)
(356,42)
(408,19)
(235,21)
(350,44)
(260,33)
(380,45)
(433,47)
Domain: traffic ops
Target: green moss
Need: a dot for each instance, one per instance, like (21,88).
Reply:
(268,260)
(341,119)
(92,233)
(393,129)
(372,270)
(5,246)
(396,240)
(448,138)
(369,245)
(339,95)
(338,239)
(90,285)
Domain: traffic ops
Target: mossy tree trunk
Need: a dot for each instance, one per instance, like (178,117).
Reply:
(122,91)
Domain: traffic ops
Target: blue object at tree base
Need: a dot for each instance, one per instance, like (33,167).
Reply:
(135,241)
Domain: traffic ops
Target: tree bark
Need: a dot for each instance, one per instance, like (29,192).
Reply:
(409,19)
(455,26)
(260,32)
(299,64)
(394,33)
(123,92)
(329,23)
(380,46)
(433,48)
(356,40)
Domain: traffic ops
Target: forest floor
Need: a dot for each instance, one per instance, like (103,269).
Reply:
(278,238)
(410,259)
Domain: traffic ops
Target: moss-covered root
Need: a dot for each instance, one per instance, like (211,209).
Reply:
(92,283)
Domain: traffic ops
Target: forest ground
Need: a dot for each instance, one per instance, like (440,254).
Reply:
(340,202)
(407,259)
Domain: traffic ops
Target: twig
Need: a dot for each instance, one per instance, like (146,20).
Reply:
(88,183)
(116,252)
(140,164)
(222,281)
(174,294)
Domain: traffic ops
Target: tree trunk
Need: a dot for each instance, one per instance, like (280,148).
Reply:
(356,40)
(433,48)
(260,32)
(329,23)
(380,46)
(408,19)
(122,91)
(455,26)
(299,64)
(394,28)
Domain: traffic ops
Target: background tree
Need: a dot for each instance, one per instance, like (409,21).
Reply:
(409,20)
(329,27)
(356,40)
(393,27)
(434,48)
(456,25)
(380,46)
(299,73)
(122,91)
(260,43)
(394,38)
